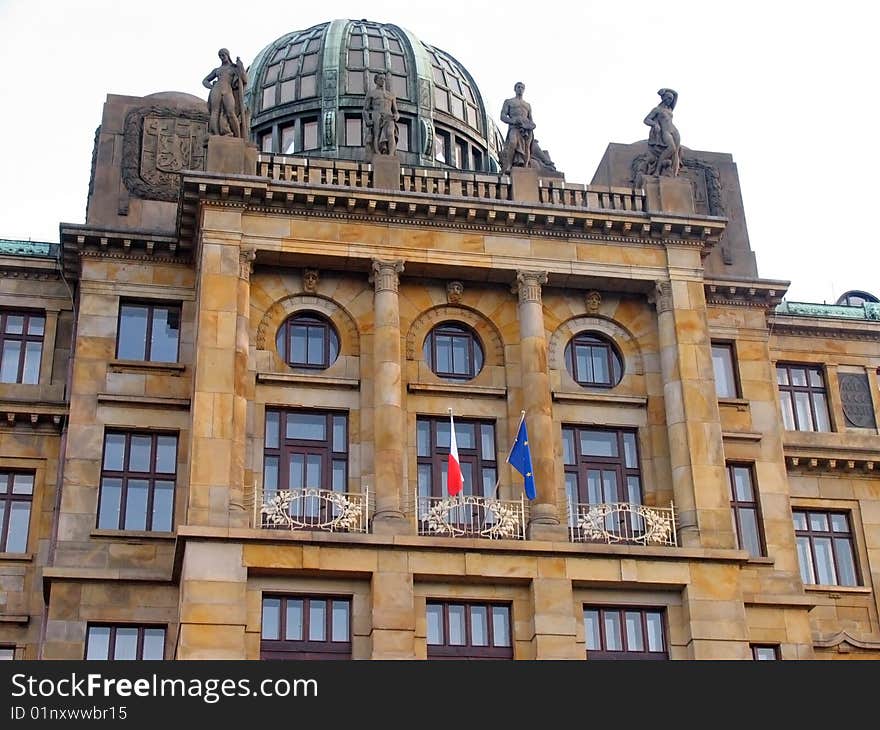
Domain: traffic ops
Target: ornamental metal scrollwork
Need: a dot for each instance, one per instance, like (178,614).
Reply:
(454,516)
(286,508)
(630,523)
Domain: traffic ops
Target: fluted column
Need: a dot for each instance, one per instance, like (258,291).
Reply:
(388,433)
(544,512)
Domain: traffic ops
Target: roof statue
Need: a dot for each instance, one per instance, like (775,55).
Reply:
(380,118)
(516,113)
(226,109)
(664,140)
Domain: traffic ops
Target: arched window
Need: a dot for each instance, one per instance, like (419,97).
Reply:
(453,351)
(856,298)
(307,340)
(592,360)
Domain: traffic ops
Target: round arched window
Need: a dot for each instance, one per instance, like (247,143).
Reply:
(453,351)
(593,360)
(308,340)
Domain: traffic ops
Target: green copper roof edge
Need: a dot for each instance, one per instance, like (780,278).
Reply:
(333,45)
(867,311)
(12,247)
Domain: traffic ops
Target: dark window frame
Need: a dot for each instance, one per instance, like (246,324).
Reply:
(737,506)
(439,455)
(111,646)
(455,331)
(811,390)
(468,650)
(624,653)
(305,648)
(730,348)
(310,320)
(832,535)
(23,338)
(150,305)
(7,500)
(125,475)
(758,647)
(595,341)
(7,647)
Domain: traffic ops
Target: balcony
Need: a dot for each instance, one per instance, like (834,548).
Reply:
(471,516)
(312,509)
(622,522)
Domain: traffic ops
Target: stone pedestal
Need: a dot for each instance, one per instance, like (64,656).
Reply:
(524,184)
(386,172)
(231,156)
(669,195)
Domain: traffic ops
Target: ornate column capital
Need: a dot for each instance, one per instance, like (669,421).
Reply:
(528,285)
(384,275)
(662,296)
(246,256)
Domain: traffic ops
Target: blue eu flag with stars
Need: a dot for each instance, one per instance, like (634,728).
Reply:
(520,458)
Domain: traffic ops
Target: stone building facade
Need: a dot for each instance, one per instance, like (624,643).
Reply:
(234,441)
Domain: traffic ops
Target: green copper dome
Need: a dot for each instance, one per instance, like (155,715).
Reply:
(306,91)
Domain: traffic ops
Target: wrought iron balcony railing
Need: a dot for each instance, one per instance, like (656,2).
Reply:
(312,509)
(622,522)
(471,516)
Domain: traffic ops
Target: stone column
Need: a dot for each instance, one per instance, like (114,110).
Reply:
(544,521)
(693,421)
(388,431)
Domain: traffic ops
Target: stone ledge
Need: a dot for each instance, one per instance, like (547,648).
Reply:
(306,379)
(17,557)
(830,590)
(14,618)
(742,435)
(457,389)
(122,366)
(762,561)
(143,400)
(124,574)
(604,398)
(741,404)
(133,534)
(777,599)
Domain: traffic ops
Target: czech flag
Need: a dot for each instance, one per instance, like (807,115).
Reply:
(453,473)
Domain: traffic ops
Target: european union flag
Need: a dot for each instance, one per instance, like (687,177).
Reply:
(520,458)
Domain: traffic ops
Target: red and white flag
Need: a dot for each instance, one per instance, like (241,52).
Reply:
(453,473)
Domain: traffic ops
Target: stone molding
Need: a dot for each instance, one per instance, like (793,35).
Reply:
(624,340)
(385,275)
(493,344)
(281,309)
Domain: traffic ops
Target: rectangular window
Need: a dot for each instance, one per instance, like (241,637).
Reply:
(624,633)
(266,142)
(138,480)
(7,653)
(306,627)
(802,398)
(125,642)
(354,131)
(310,134)
(16,497)
(724,365)
(306,451)
(602,467)
(21,346)
(441,146)
(476,453)
(744,509)
(149,332)
(403,136)
(765,652)
(826,551)
(288,140)
(468,630)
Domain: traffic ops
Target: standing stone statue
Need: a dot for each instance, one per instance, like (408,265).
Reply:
(517,114)
(226,110)
(664,140)
(380,119)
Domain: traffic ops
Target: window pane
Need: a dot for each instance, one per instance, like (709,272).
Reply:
(742,479)
(800,520)
(132,332)
(655,631)
(338,476)
(293,629)
(296,469)
(98,642)
(630,458)
(111,494)
(821,407)
(307,426)
(598,443)
(572,495)
(424,480)
(154,644)
(634,639)
(845,562)
(838,521)
(114,450)
(271,622)
(136,504)
(592,630)
(479,626)
(599,359)
(459,355)
(355,82)
(126,644)
(749,540)
(782,376)
(798,376)
(765,653)
(272,419)
(9,364)
(489,479)
(288,135)
(14,324)
(488,442)
(19,518)
(163,506)
(465,436)
(313,471)
(787,411)
(567,446)
(299,344)
(594,486)
(340,621)
(722,363)
(815,378)
(270,474)
(310,129)
(583,369)
(826,574)
(317,620)
(32,355)
(613,638)
(166,454)
(456,625)
(24,484)
(435,623)
(315,346)
(805,560)
(140,453)
(339,439)
(165,334)
(444,353)
(501,625)
(423,438)
(802,408)
(818,521)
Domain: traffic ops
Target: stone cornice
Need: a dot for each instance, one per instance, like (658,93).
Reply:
(36,414)
(446,211)
(803,326)
(831,459)
(763,293)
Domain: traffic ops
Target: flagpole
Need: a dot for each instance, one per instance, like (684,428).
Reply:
(498,480)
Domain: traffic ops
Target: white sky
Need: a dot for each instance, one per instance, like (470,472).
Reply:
(787,88)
